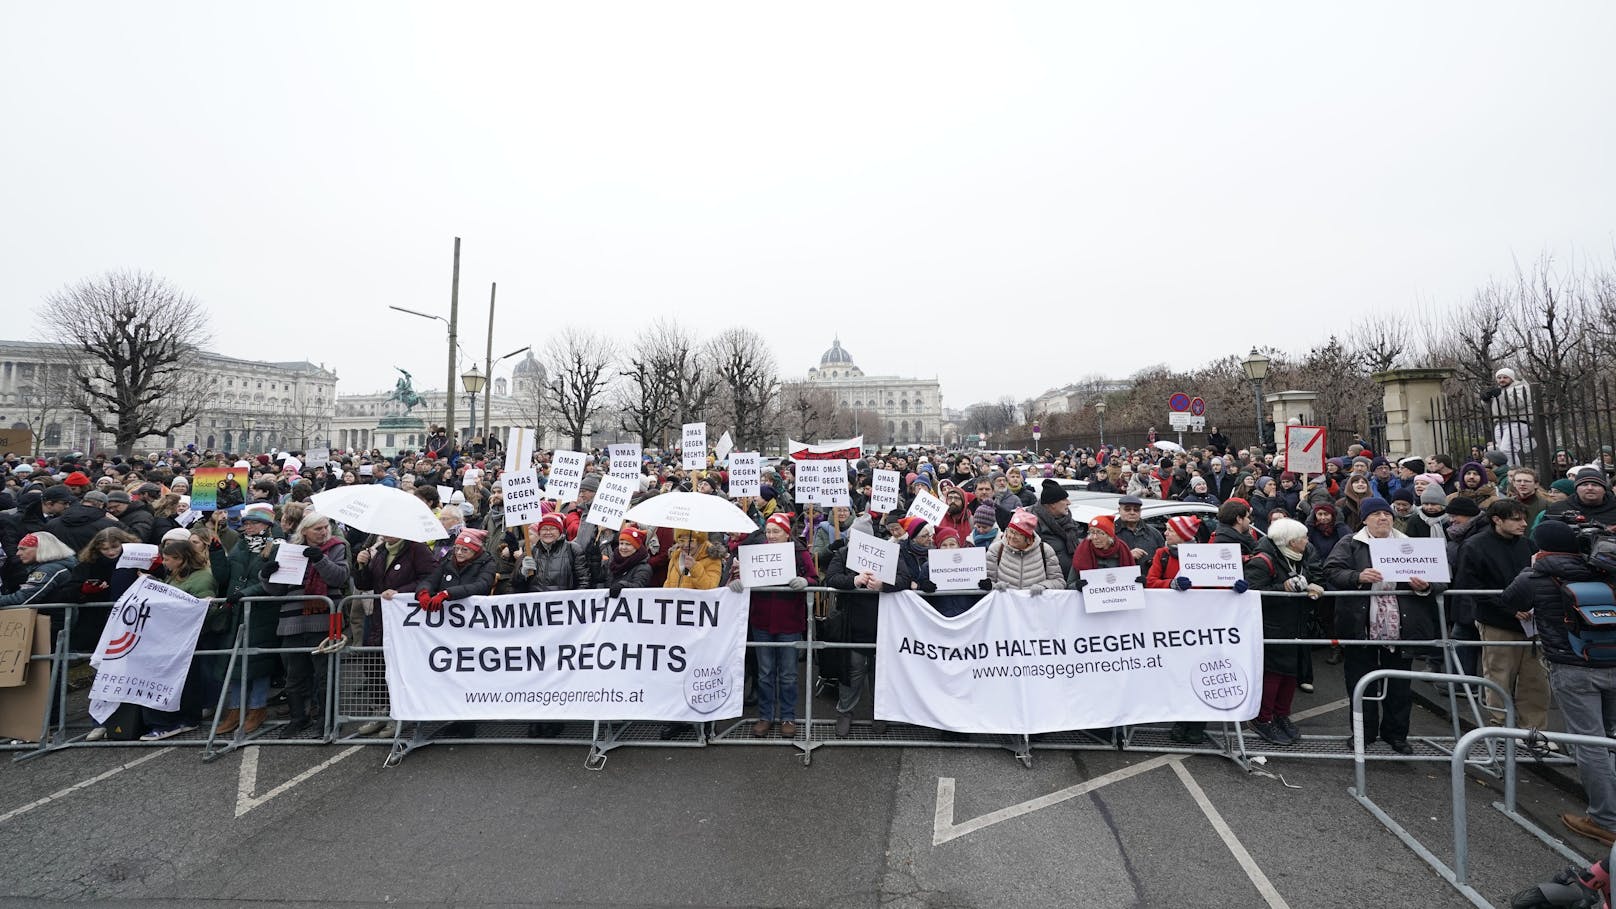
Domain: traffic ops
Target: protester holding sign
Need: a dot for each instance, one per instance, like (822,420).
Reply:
(858,621)
(189,571)
(1395,612)
(305,623)
(556,563)
(1100,549)
(694,563)
(778,618)
(630,564)
(1020,560)
(245,564)
(1283,561)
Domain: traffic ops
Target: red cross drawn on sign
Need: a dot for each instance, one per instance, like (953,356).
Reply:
(1304,449)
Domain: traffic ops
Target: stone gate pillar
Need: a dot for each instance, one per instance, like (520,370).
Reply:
(1408,396)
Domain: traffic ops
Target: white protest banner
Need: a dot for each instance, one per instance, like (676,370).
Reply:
(566,476)
(724,447)
(693,447)
(1304,449)
(844,449)
(521,492)
(137,555)
(519,449)
(1210,564)
(928,508)
(1407,558)
(292,564)
(1112,589)
(611,501)
(768,564)
(958,569)
(884,489)
(878,557)
(652,654)
(745,474)
(1017,664)
(625,459)
(145,650)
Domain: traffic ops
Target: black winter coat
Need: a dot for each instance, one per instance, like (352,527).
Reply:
(561,566)
(1487,561)
(473,579)
(1282,617)
(1537,590)
(861,608)
(79,524)
(1417,613)
(139,520)
(1059,531)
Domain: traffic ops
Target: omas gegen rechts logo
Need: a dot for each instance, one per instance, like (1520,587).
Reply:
(133,617)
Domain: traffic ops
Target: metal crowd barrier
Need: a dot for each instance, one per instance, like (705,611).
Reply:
(355,696)
(1458,875)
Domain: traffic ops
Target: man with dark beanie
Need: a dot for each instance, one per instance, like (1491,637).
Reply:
(1584,688)
(1055,524)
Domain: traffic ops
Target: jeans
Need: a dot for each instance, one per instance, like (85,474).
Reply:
(1387,719)
(257,694)
(776,675)
(1587,699)
(860,675)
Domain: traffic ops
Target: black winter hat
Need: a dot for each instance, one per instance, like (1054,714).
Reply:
(1464,507)
(1052,493)
(1591,475)
(1555,536)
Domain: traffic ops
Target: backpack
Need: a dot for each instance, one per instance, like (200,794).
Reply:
(1590,619)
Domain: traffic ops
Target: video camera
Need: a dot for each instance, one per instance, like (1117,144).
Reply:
(1595,541)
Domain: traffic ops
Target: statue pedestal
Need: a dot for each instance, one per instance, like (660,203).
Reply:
(393,434)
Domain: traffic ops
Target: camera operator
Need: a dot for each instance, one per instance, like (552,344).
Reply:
(1592,502)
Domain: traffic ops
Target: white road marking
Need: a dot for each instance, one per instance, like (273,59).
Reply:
(944,829)
(1320,710)
(16,812)
(1258,879)
(245,801)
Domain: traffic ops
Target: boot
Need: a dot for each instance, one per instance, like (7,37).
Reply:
(255,718)
(229,722)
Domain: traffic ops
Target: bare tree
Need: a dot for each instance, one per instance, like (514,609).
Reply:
(667,383)
(806,409)
(992,418)
(749,383)
(132,340)
(580,368)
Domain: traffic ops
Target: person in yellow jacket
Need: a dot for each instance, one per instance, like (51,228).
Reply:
(694,563)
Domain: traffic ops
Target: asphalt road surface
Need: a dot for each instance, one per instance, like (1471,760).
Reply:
(898,827)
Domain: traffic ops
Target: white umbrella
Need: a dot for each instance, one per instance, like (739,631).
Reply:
(380,510)
(691,511)
(1165,445)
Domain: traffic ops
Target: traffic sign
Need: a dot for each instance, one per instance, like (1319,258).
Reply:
(1179,402)
(1304,449)
(1198,407)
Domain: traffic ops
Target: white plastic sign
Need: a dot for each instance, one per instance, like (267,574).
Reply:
(137,555)
(878,557)
(611,501)
(928,508)
(693,451)
(1407,558)
(958,569)
(724,447)
(521,491)
(625,459)
(1210,564)
(768,564)
(566,476)
(745,474)
(884,491)
(1112,589)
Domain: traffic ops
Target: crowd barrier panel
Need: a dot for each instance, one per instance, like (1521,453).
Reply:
(1458,875)
(355,694)
(318,733)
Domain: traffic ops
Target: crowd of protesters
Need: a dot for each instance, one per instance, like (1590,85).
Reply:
(64,521)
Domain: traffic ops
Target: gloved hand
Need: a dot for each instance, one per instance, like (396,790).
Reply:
(1080,584)
(615,591)
(1141,580)
(838,544)
(529,566)
(927,586)
(1492,392)
(233,598)
(1000,585)
(1314,591)
(1181,584)
(797,583)
(1296,584)
(984,584)
(736,586)
(435,602)
(313,554)
(91,588)
(422,597)
(1240,585)
(269,569)
(1036,590)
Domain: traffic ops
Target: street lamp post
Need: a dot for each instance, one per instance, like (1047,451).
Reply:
(1256,366)
(1037,433)
(248,423)
(474,381)
(1099,408)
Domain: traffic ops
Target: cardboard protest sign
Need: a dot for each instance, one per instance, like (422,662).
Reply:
(1407,558)
(928,508)
(768,564)
(521,495)
(16,645)
(1112,590)
(1210,564)
(611,502)
(693,449)
(878,557)
(566,476)
(884,489)
(625,459)
(745,474)
(958,569)
(23,707)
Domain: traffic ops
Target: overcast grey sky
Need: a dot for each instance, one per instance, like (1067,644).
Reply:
(1006,196)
